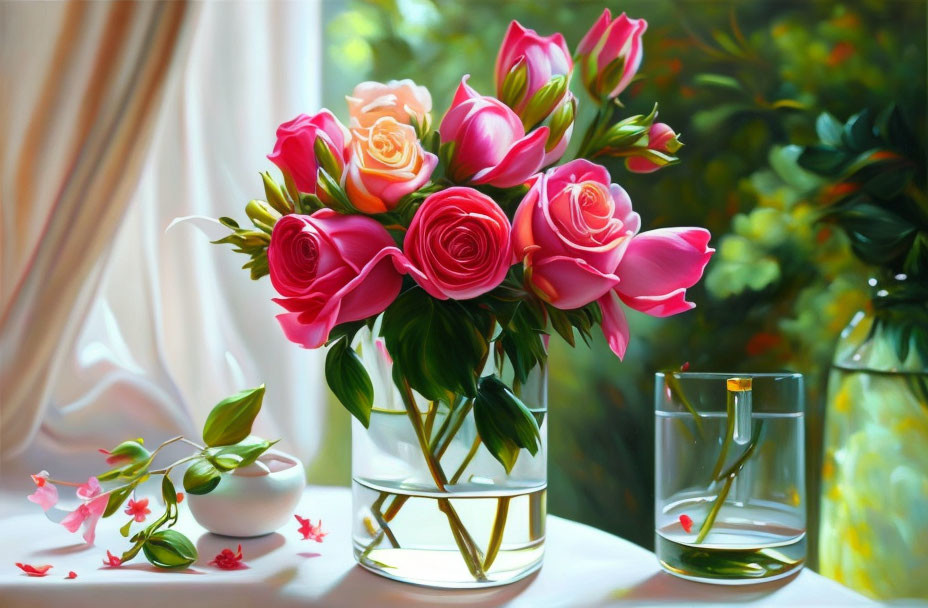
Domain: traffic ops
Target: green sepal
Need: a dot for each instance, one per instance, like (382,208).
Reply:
(515,84)
(117,497)
(275,196)
(544,101)
(262,215)
(124,530)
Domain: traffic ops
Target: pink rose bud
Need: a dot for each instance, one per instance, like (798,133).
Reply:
(654,274)
(330,269)
(488,142)
(610,53)
(385,163)
(296,150)
(458,244)
(571,230)
(663,143)
(532,72)
(402,100)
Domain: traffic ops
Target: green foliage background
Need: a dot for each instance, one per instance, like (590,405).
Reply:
(740,81)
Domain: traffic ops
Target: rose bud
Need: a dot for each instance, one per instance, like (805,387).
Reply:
(330,269)
(570,231)
(295,152)
(610,53)
(657,268)
(458,244)
(663,143)
(488,141)
(403,100)
(532,72)
(385,163)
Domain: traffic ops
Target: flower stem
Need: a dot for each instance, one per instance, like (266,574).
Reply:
(378,515)
(469,550)
(414,416)
(470,456)
(453,430)
(496,534)
(729,437)
(430,419)
(729,477)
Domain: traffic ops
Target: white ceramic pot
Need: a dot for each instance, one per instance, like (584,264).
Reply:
(252,501)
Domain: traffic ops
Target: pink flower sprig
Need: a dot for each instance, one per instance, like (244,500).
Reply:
(310,531)
(229,560)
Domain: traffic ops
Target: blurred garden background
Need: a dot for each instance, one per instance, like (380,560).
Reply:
(743,82)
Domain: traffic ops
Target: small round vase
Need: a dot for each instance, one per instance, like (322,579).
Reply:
(252,501)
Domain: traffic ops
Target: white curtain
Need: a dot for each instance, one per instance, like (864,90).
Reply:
(167,324)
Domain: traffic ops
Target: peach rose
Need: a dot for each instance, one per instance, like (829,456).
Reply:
(398,99)
(385,163)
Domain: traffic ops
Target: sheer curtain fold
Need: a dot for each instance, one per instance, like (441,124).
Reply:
(115,327)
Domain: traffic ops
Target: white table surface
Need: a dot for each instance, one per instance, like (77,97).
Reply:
(583,567)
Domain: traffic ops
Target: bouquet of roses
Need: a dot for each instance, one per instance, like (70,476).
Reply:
(470,235)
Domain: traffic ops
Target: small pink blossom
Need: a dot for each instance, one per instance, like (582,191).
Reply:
(90,489)
(111,560)
(309,531)
(46,494)
(86,517)
(229,560)
(34,570)
(138,509)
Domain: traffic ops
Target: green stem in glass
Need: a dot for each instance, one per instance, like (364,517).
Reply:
(470,456)
(729,477)
(469,550)
(496,534)
(729,435)
(414,416)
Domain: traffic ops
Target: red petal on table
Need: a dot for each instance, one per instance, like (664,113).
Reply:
(685,366)
(310,531)
(687,523)
(34,570)
(180,497)
(71,574)
(111,560)
(229,560)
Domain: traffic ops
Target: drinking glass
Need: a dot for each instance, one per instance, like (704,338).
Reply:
(730,476)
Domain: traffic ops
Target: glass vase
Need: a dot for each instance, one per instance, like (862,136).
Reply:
(729,476)
(873,535)
(431,505)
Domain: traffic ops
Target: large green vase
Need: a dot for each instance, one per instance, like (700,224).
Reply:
(874,517)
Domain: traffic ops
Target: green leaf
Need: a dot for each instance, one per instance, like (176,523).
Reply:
(169,549)
(117,497)
(169,493)
(244,453)
(878,236)
(125,529)
(829,129)
(824,160)
(231,419)
(718,80)
(505,425)
(346,376)
(346,330)
(523,324)
(437,345)
(201,477)
(859,134)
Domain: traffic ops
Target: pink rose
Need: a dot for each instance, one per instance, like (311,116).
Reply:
(610,53)
(295,152)
(490,144)
(385,163)
(571,230)
(458,244)
(662,145)
(398,99)
(657,268)
(535,58)
(330,269)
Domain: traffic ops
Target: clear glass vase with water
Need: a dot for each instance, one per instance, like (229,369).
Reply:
(431,504)
(729,478)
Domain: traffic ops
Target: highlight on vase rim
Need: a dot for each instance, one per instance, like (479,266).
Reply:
(470,236)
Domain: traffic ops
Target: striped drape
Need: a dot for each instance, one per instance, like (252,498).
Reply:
(77,110)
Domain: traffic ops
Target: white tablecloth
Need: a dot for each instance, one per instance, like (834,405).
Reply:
(583,567)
